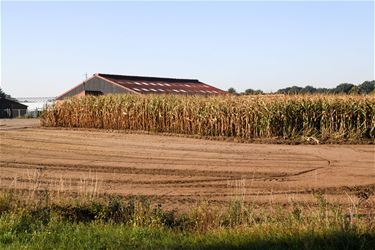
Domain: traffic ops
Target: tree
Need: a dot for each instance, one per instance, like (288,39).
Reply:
(2,94)
(252,92)
(354,90)
(309,89)
(290,90)
(249,92)
(232,91)
(367,87)
(343,88)
(322,90)
(283,91)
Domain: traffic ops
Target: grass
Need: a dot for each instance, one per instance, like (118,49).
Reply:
(136,223)
(62,235)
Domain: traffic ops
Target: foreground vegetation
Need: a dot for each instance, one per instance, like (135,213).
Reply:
(118,223)
(320,117)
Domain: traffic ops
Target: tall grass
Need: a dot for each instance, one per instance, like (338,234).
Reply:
(120,223)
(247,117)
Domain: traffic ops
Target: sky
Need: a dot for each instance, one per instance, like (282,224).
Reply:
(48,47)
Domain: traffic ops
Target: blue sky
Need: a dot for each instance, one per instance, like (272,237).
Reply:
(47,47)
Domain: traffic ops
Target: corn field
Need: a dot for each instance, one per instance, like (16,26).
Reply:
(247,117)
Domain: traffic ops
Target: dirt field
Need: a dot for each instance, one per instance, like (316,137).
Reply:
(178,171)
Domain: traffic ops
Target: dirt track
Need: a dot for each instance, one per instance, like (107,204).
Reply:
(178,171)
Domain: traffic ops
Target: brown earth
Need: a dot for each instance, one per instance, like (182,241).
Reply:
(179,171)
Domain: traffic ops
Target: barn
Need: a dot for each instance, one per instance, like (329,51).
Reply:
(10,108)
(101,84)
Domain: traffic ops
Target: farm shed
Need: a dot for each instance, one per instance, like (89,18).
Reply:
(101,84)
(11,108)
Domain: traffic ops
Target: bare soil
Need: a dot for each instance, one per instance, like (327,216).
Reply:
(179,171)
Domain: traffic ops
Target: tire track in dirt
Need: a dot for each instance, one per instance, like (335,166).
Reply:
(225,175)
(178,170)
(95,151)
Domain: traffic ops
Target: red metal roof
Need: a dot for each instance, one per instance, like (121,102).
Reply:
(149,85)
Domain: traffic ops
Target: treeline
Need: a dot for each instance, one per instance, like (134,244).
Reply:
(366,87)
(3,94)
